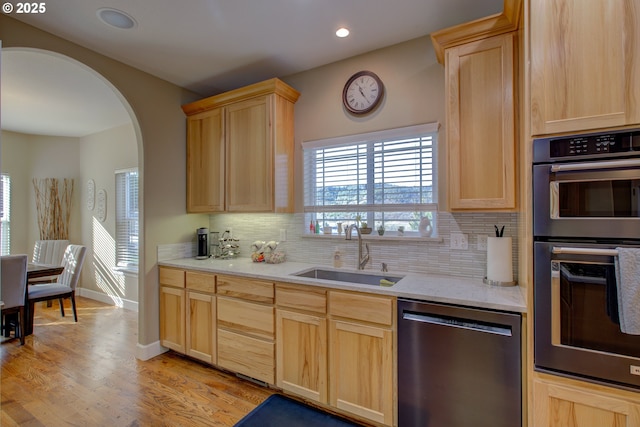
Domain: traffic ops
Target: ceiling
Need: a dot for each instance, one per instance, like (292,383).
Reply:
(209,46)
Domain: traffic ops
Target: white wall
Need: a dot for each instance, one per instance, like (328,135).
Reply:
(414,94)
(101,154)
(27,157)
(95,157)
(14,161)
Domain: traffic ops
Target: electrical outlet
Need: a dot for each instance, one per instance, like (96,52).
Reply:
(481,242)
(283,234)
(459,241)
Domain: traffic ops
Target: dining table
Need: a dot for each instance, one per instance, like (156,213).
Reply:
(36,271)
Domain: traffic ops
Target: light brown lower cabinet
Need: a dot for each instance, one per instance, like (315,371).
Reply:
(332,347)
(172,323)
(302,354)
(246,355)
(201,331)
(246,327)
(361,349)
(172,308)
(559,405)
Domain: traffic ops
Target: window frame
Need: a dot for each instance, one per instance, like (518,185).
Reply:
(5,214)
(371,212)
(127,219)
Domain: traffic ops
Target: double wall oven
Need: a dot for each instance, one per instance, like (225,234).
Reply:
(586,202)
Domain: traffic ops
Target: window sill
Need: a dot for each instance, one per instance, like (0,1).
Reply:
(132,271)
(375,237)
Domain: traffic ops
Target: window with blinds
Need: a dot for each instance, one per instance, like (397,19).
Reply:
(5,215)
(127,230)
(385,178)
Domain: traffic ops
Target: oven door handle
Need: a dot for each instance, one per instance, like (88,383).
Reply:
(583,251)
(630,163)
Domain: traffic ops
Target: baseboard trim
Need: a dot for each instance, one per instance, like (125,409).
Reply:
(107,299)
(149,351)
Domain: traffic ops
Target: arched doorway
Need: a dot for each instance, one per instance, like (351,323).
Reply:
(54,88)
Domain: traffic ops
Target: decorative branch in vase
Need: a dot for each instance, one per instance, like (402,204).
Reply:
(53,207)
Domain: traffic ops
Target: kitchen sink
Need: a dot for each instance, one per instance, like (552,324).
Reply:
(350,277)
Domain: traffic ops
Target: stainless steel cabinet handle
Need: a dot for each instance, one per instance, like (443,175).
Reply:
(631,163)
(458,323)
(584,251)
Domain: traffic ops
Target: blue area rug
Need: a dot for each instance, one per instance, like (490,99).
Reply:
(281,411)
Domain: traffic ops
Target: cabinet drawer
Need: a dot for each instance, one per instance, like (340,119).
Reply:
(204,282)
(249,356)
(171,277)
(250,289)
(368,308)
(298,298)
(246,317)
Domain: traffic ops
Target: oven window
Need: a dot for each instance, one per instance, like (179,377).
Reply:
(589,309)
(604,199)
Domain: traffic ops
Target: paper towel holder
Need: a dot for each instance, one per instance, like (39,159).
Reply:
(497,283)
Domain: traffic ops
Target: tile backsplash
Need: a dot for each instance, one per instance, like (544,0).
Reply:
(433,256)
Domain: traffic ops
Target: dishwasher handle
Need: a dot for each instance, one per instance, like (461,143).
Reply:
(454,322)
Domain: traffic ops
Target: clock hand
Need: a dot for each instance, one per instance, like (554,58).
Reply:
(362,93)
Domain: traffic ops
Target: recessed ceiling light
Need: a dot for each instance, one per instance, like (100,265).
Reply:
(116,18)
(342,32)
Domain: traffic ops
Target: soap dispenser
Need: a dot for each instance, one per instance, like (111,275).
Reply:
(337,258)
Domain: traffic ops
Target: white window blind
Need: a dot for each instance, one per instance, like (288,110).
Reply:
(5,215)
(385,178)
(127,230)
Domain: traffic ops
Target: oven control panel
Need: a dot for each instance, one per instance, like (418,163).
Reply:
(595,144)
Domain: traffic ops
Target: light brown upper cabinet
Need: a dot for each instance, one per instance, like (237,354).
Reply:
(584,65)
(205,161)
(240,150)
(480,61)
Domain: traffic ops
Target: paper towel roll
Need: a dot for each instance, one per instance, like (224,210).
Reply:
(499,261)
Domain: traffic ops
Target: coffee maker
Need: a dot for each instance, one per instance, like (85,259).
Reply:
(203,243)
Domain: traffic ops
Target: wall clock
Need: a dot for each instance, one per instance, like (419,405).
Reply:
(362,92)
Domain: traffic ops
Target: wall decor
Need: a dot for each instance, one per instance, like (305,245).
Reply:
(54,198)
(91,194)
(101,205)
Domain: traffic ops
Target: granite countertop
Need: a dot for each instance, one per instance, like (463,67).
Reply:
(435,288)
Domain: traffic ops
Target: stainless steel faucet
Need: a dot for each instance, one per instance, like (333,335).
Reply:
(362,261)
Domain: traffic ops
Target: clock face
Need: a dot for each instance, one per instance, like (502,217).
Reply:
(362,93)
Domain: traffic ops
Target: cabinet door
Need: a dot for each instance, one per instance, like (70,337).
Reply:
(172,318)
(249,356)
(481,124)
(201,328)
(558,406)
(205,162)
(584,65)
(249,184)
(361,370)
(301,365)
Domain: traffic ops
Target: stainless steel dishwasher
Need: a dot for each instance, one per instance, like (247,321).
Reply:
(458,366)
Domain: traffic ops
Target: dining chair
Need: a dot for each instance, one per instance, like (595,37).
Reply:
(13,284)
(48,252)
(64,287)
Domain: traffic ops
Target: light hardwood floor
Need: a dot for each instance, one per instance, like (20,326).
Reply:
(86,374)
